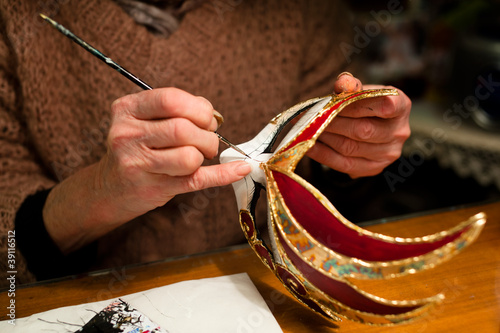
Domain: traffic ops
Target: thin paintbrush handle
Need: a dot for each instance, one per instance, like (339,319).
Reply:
(97,53)
(119,68)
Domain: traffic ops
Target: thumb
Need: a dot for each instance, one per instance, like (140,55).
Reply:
(214,175)
(347,83)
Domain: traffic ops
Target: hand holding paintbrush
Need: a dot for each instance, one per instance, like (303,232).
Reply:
(123,71)
(157,143)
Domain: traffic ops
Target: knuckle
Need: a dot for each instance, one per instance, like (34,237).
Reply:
(121,105)
(365,129)
(205,104)
(347,165)
(222,177)
(387,107)
(407,131)
(117,139)
(194,182)
(348,147)
(163,100)
(392,155)
(124,134)
(190,159)
(169,100)
(180,129)
(379,169)
(403,133)
(117,105)
(407,103)
(205,109)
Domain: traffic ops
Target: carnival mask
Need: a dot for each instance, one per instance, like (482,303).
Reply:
(313,250)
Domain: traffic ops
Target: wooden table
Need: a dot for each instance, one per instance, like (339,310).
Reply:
(470,282)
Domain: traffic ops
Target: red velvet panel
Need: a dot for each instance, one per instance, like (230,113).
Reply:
(340,291)
(325,228)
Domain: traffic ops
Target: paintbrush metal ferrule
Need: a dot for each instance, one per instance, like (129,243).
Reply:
(231,145)
(117,67)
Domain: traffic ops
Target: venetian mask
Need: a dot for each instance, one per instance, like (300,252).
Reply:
(312,249)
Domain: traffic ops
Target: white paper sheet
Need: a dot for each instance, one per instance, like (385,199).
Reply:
(224,304)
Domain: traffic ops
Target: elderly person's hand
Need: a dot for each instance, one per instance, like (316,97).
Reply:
(367,135)
(157,143)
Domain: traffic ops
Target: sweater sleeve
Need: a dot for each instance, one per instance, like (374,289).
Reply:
(44,259)
(327,29)
(20,174)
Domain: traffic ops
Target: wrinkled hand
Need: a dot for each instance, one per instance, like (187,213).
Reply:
(157,143)
(367,135)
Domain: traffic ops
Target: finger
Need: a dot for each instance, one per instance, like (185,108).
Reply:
(355,167)
(383,107)
(179,132)
(168,103)
(347,83)
(352,148)
(211,176)
(178,161)
(373,130)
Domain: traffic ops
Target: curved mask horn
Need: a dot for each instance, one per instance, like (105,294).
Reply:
(313,249)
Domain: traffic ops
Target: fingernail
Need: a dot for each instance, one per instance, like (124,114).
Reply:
(243,169)
(346,84)
(219,118)
(344,73)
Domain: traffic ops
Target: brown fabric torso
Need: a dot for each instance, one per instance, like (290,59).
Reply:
(251,60)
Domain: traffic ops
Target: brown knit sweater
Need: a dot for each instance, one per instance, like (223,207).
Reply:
(251,59)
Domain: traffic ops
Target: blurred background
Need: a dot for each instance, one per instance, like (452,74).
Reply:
(445,55)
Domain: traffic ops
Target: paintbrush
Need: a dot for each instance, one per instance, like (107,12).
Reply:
(119,68)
